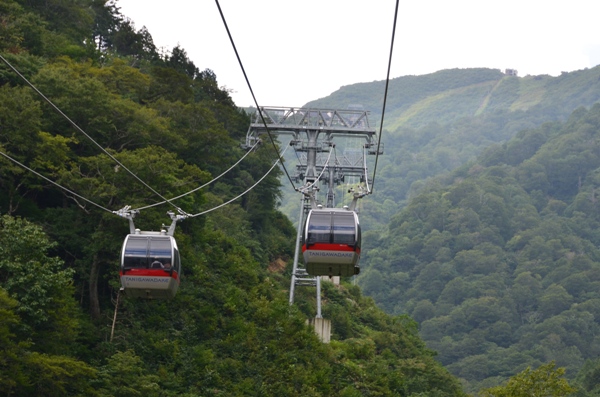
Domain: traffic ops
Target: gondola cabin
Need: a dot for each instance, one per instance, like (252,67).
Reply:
(331,242)
(150,265)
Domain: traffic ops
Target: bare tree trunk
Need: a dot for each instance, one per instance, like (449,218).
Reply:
(94,301)
(112,329)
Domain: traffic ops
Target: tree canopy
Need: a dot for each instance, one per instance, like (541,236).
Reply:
(498,260)
(65,327)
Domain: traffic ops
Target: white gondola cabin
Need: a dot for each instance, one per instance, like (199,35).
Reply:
(150,266)
(331,242)
(150,262)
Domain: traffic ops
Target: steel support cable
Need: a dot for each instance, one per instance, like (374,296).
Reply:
(203,186)
(305,188)
(254,97)
(246,191)
(387,83)
(52,182)
(366,172)
(84,133)
(297,158)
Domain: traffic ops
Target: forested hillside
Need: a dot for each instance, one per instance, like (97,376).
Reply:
(498,261)
(64,327)
(492,249)
(434,123)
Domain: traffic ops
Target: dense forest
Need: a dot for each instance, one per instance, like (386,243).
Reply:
(497,261)
(65,329)
(493,245)
(437,122)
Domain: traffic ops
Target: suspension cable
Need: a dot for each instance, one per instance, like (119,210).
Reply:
(305,188)
(165,200)
(387,82)
(247,190)
(84,133)
(203,186)
(366,172)
(254,97)
(138,209)
(52,182)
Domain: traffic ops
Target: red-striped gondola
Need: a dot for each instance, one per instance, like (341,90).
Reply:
(150,265)
(331,242)
(150,262)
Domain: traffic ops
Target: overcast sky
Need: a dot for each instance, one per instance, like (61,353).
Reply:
(297,51)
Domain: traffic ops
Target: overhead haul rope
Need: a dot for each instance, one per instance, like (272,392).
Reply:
(84,133)
(247,190)
(110,155)
(254,97)
(305,188)
(206,184)
(52,182)
(127,209)
(387,82)
(366,172)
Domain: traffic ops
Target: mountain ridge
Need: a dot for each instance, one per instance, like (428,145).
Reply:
(519,93)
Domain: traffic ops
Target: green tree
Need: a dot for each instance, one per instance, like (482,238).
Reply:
(55,375)
(12,374)
(20,30)
(554,300)
(24,372)
(40,285)
(588,379)
(545,381)
(124,375)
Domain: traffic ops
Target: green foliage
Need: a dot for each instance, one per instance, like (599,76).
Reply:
(11,375)
(124,375)
(65,328)
(57,376)
(588,379)
(499,262)
(547,380)
(24,371)
(20,29)
(39,283)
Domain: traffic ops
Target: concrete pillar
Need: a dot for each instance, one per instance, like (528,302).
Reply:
(335,279)
(322,327)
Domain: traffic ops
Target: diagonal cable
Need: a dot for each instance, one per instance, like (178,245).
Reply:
(252,93)
(387,82)
(305,188)
(247,190)
(206,184)
(84,133)
(52,182)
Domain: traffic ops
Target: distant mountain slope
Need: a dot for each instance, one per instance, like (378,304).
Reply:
(439,121)
(449,95)
(498,261)
(493,246)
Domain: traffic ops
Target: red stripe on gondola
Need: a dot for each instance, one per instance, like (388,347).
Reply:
(330,247)
(149,272)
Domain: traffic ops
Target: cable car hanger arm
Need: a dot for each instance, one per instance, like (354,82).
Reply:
(129,214)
